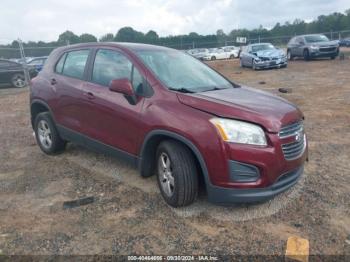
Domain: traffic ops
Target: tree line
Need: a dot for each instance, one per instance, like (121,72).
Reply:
(324,23)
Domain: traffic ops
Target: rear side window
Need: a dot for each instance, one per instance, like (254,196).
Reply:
(74,64)
(59,65)
(110,65)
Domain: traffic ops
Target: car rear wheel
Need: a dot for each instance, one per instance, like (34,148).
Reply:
(241,63)
(289,55)
(18,80)
(306,55)
(213,58)
(332,57)
(232,56)
(47,135)
(177,174)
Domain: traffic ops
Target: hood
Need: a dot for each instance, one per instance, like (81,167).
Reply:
(270,53)
(245,104)
(325,43)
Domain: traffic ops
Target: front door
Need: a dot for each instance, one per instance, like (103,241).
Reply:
(110,118)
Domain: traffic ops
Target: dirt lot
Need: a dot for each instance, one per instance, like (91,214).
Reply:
(129,215)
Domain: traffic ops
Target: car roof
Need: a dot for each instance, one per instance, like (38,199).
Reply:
(260,44)
(121,45)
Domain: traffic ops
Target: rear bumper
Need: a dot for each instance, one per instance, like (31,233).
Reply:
(222,195)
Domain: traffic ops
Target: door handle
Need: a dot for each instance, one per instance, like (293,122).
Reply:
(89,95)
(53,81)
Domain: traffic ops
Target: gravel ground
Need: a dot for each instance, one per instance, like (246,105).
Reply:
(129,215)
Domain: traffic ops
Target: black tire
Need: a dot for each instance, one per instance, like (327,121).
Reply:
(183,170)
(290,57)
(57,144)
(333,57)
(306,55)
(213,58)
(232,56)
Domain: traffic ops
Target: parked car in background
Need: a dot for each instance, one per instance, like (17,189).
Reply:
(199,53)
(312,46)
(12,73)
(233,51)
(170,115)
(37,62)
(262,55)
(345,42)
(221,53)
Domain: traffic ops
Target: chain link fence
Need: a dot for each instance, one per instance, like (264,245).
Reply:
(280,41)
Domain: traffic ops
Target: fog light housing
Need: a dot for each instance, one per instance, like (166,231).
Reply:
(241,172)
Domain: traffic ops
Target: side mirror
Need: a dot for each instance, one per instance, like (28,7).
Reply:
(124,87)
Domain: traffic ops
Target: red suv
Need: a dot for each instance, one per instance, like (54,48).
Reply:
(170,115)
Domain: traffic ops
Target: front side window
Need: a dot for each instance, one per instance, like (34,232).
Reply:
(110,65)
(74,64)
(180,71)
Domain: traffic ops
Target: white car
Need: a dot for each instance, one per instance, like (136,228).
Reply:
(222,53)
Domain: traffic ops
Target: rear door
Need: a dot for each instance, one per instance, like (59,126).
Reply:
(110,117)
(67,81)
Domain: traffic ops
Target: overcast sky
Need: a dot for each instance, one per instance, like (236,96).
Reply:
(46,19)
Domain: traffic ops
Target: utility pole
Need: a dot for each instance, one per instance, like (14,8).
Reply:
(25,66)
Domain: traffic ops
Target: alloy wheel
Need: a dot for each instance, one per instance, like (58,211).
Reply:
(44,134)
(165,174)
(18,81)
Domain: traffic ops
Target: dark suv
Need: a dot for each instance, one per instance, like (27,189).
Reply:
(170,115)
(312,46)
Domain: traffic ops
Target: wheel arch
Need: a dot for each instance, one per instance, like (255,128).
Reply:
(36,107)
(148,150)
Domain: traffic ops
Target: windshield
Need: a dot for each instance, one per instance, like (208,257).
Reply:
(257,48)
(316,38)
(179,71)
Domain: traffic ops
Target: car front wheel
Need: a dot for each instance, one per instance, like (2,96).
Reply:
(289,55)
(177,174)
(47,135)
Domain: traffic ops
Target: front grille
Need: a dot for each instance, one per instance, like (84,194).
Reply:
(327,49)
(291,130)
(294,150)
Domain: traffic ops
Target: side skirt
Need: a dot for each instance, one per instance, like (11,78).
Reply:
(94,145)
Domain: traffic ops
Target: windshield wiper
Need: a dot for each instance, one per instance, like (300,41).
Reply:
(182,90)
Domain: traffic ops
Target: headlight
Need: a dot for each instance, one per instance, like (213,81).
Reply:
(314,47)
(240,132)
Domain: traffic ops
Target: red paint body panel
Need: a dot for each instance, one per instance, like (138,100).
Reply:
(109,118)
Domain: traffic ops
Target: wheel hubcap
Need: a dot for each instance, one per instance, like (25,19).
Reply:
(165,174)
(44,134)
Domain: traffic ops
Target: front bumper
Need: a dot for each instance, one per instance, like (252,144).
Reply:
(318,53)
(222,195)
(272,64)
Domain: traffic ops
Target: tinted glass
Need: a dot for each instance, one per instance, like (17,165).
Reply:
(178,70)
(110,65)
(59,65)
(137,81)
(74,65)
